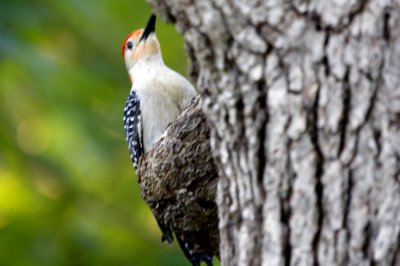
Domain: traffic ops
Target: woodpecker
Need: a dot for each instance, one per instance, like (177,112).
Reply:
(157,96)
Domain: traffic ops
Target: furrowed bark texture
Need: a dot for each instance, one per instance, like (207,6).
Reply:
(178,180)
(304,103)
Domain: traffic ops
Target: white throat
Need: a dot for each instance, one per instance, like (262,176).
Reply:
(146,69)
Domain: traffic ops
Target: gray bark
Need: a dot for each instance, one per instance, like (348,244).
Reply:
(304,103)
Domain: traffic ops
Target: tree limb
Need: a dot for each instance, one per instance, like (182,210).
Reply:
(178,180)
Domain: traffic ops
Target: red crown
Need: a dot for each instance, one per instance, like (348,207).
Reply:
(135,34)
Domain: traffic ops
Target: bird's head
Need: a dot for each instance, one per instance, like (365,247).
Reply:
(141,44)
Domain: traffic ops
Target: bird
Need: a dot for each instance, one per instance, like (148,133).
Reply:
(158,93)
(157,96)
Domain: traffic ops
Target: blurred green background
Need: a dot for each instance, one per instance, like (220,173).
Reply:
(68,193)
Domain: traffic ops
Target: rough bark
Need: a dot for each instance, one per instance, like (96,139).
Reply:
(304,103)
(178,180)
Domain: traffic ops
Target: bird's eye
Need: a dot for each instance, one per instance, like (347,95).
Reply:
(129,45)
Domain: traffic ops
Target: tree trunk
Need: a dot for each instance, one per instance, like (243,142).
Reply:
(304,103)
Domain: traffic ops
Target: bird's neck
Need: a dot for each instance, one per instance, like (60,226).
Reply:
(146,69)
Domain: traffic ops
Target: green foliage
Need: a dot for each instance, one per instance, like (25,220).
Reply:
(68,193)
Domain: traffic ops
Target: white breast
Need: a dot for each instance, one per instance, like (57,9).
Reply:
(162,93)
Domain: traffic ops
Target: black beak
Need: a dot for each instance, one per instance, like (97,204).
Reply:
(150,28)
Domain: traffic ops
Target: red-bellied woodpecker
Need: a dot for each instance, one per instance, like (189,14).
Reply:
(157,96)
(158,93)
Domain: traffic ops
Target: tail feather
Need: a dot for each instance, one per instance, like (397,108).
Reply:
(192,255)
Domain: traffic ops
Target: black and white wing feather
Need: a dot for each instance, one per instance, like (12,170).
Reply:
(133,132)
(133,128)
